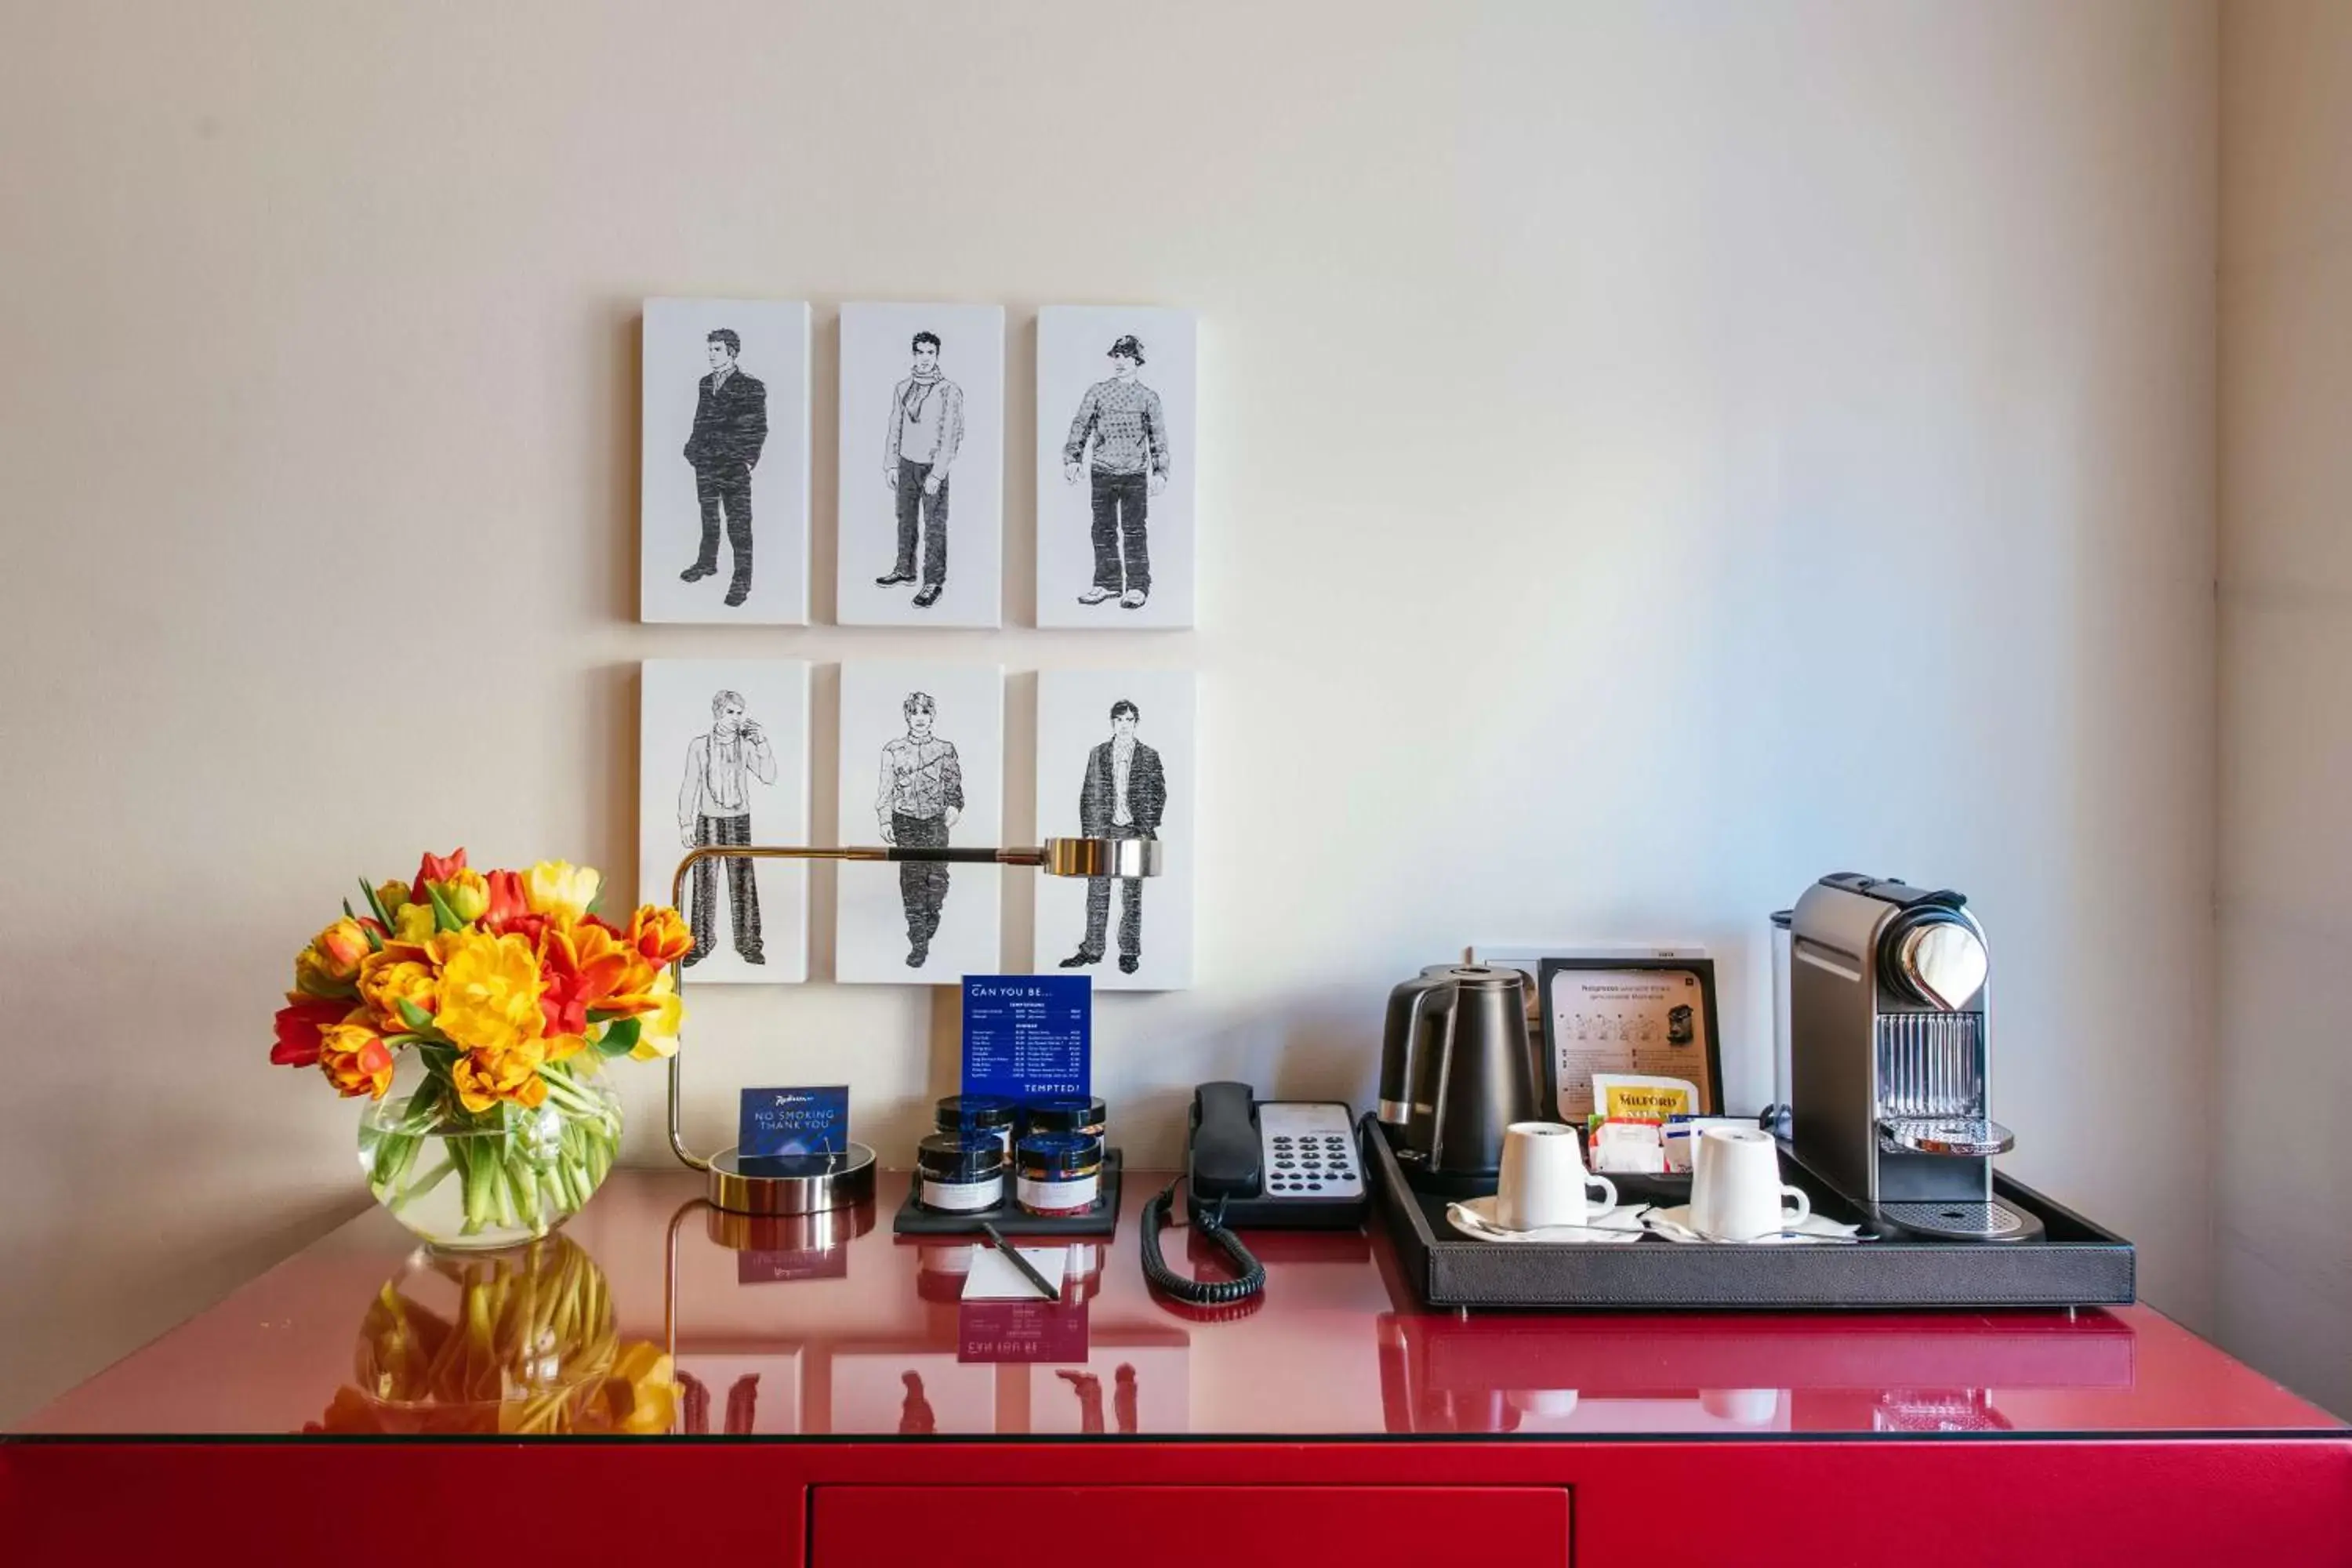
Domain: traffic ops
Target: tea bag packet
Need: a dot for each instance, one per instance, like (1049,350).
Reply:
(1628,1147)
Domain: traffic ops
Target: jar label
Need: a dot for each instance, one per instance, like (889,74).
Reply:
(1049,1197)
(963,1197)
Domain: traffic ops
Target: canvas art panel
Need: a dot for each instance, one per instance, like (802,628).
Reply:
(1116,759)
(922,763)
(723,759)
(911,1393)
(739,1395)
(723,487)
(921,526)
(1115,466)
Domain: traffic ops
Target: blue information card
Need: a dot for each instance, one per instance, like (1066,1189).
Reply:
(1028,1037)
(794,1121)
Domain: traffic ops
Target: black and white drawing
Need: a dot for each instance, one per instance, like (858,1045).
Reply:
(1114,760)
(723,761)
(922,465)
(724,496)
(1115,467)
(921,763)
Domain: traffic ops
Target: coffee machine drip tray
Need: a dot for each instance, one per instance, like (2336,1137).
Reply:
(1970,1136)
(1966,1220)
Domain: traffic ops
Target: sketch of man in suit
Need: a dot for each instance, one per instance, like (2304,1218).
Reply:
(1122,419)
(730,426)
(919,798)
(714,806)
(1123,795)
(926,424)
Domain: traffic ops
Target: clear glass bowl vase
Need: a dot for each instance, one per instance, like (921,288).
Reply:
(494,1178)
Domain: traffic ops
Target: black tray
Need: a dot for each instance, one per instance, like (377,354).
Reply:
(1011,1219)
(2076,1264)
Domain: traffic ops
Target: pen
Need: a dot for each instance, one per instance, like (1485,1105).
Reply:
(996,1239)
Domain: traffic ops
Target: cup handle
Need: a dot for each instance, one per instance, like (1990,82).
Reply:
(1606,1186)
(1804,1208)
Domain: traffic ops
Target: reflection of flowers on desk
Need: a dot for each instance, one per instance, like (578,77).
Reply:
(512,1345)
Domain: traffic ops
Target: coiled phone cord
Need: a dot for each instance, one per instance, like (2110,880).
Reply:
(1197,1292)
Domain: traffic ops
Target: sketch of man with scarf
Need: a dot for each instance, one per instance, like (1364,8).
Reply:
(919,797)
(926,427)
(714,806)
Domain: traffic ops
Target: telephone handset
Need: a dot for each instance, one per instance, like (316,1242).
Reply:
(1280,1163)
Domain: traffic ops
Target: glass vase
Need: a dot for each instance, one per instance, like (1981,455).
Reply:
(497,1177)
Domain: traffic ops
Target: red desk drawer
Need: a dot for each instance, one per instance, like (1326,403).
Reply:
(1182,1527)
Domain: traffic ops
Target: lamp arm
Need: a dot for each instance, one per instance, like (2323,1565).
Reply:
(700,852)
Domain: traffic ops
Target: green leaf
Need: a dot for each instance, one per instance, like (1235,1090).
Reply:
(347,910)
(596,904)
(374,904)
(621,1038)
(444,917)
(414,1017)
(598,1016)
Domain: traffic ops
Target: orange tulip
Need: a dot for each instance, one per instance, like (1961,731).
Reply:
(332,963)
(580,971)
(482,1078)
(354,1057)
(402,971)
(657,932)
(507,903)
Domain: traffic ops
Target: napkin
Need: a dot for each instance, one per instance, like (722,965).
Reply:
(1674,1224)
(1475,1217)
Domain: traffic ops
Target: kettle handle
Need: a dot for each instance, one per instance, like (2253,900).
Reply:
(1399,1065)
(1427,1068)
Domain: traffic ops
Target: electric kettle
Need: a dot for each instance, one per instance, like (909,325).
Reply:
(1456,1069)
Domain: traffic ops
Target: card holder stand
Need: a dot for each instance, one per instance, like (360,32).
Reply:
(1011,1219)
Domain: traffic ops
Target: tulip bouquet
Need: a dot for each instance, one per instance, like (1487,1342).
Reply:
(522,1343)
(507,988)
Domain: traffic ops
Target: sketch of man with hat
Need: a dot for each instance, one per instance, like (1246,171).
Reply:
(1122,421)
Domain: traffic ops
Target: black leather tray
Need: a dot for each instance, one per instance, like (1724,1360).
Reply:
(2076,1264)
(1011,1219)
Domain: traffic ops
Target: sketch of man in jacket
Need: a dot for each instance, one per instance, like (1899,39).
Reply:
(730,426)
(919,797)
(1123,422)
(714,806)
(926,429)
(1123,795)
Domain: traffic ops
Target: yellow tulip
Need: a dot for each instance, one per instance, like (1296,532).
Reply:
(414,923)
(657,1029)
(489,991)
(561,890)
(468,894)
(392,894)
(639,1397)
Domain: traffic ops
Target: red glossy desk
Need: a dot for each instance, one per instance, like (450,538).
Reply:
(843,1407)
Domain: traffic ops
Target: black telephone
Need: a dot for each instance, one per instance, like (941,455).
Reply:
(1291,1164)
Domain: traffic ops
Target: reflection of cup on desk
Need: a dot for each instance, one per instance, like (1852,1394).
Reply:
(1545,1403)
(1544,1181)
(1747,1406)
(1736,1193)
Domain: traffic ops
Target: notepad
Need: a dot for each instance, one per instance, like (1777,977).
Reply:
(994,1277)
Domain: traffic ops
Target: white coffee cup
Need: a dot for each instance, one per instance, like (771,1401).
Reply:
(1544,1181)
(1736,1193)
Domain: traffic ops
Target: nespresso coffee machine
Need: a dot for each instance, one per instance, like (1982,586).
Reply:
(1890,1049)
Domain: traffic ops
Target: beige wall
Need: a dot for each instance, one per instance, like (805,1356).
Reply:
(2284,1249)
(1650,456)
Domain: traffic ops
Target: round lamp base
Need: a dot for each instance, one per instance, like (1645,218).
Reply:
(779,1185)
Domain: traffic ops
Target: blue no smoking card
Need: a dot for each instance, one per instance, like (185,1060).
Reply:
(794,1121)
(1028,1037)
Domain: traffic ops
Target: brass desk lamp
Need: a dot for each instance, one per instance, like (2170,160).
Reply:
(813,1183)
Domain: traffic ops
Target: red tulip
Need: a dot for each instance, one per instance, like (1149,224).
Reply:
(507,903)
(299,1026)
(436,868)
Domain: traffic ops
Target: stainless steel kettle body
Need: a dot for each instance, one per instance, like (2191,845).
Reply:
(1456,1069)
